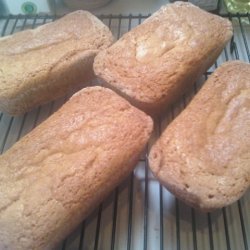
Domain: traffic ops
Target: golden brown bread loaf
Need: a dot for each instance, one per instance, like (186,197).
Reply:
(55,176)
(203,156)
(155,63)
(40,65)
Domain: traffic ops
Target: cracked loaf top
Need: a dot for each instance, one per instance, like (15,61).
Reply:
(153,64)
(203,156)
(55,175)
(39,65)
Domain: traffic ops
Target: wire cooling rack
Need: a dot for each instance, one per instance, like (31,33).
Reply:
(140,213)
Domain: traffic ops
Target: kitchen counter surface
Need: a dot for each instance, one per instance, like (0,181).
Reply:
(120,7)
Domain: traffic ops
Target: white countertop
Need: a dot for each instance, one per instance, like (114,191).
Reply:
(121,7)
(59,8)
(114,7)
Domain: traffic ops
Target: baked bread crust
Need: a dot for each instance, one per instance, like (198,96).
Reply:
(154,64)
(40,65)
(203,156)
(55,176)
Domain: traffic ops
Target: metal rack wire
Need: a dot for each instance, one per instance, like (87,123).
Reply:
(141,214)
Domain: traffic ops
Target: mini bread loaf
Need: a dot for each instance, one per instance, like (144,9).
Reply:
(55,176)
(155,63)
(203,156)
(40,65)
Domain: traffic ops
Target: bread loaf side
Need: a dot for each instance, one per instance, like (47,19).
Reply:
(58,173)
(40,65)
(203,156)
